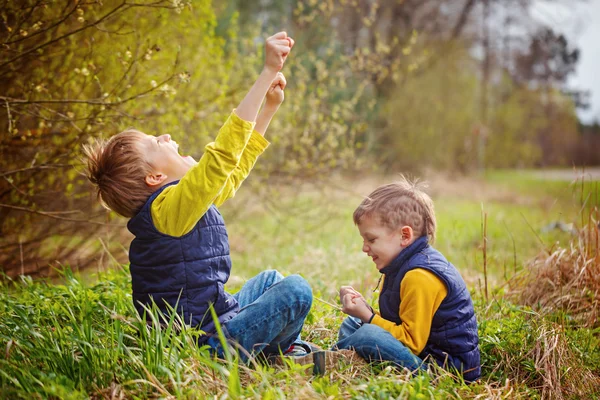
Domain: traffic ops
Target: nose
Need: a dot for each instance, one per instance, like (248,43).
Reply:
(165,138)
(365,248)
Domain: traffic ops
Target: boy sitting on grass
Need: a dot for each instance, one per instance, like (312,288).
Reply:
(179,258)
(426,312)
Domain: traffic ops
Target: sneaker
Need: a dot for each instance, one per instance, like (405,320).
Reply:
(311,346)
(301,348)
(296,350)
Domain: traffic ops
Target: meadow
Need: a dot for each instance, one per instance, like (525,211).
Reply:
(78,336)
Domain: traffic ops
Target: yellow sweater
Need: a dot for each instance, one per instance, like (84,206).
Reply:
(215,178)
(421,293)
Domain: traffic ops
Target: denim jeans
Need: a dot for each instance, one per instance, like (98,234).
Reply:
(374,343)
(271,316)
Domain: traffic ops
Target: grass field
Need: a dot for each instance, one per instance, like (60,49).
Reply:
(80,338)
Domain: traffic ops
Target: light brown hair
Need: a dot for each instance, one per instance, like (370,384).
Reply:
(118,169)
(400,203)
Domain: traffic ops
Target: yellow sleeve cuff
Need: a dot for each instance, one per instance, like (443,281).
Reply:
(377,320)
(258,142)
(242,123)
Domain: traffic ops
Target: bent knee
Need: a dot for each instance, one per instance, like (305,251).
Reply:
(298,288)
(369,331)
(271,275)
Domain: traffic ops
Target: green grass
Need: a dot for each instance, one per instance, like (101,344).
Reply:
(583,189)
(81,338)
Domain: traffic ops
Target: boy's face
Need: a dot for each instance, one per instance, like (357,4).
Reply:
(162,153)
(379,242)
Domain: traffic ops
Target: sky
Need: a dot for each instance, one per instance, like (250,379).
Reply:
(579,21)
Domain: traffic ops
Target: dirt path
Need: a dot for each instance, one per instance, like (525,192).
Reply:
(589,174)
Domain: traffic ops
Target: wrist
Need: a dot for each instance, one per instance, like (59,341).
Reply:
(271,108)
(367,317)
(269,72)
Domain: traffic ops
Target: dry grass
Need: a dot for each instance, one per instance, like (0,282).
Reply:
(539,356)
(550,355)
(566,279)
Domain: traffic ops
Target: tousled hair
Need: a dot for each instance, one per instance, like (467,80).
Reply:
(118,169)
(400,203)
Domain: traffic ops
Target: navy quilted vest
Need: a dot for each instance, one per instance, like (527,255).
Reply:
(453,339)
(186,273)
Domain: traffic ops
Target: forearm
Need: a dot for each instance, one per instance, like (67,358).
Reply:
(248,108)
(264,118)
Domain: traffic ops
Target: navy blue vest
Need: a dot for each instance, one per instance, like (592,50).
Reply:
(186,273)
(453,340)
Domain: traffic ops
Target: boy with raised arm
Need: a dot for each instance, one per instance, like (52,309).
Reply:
(179,258)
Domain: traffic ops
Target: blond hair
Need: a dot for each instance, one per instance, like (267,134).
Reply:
(400,203)
(118,169)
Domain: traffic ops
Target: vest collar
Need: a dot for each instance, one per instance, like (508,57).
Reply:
(405,255)
(140,215)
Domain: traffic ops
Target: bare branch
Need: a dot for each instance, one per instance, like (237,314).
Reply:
(9,181)
(55,216)
(30,12)
(37,167)
(34,49)
(9,117)
(94,102)
(464,15)
(156,4)
(45,29)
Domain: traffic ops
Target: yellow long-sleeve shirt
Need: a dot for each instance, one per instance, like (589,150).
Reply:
(215,178)
(421,293)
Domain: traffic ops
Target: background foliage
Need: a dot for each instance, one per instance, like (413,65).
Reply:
(373,86)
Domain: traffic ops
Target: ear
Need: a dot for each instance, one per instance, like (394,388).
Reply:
(155,179)
(407,235)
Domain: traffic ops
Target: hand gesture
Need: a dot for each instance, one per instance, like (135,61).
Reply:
(354,304)
(277,49)
(275,93)
(349,290)
(356,307)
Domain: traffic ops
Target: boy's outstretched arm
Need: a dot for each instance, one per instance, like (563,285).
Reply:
(256,145)
(277,49)
(274,98)
(178,208)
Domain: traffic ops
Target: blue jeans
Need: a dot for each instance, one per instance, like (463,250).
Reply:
(374,343)
(272,313)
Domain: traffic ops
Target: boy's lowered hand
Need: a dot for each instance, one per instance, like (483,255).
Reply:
(354,304)
(277,49)
(344,290)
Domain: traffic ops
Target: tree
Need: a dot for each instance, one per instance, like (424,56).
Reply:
(547,61)
(544,68)
(70,71)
